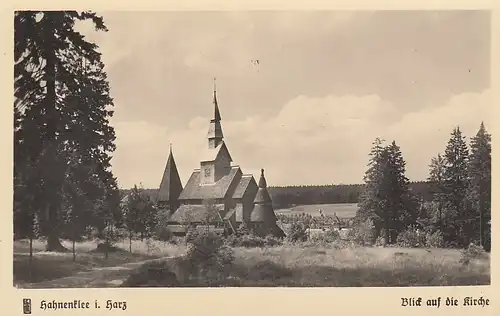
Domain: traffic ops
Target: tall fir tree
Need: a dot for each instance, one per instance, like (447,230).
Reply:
(436,180)
(479,191)
(457,218)
(386,200)
(370,203)
(63,109)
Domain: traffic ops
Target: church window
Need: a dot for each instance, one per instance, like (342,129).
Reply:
(207,172)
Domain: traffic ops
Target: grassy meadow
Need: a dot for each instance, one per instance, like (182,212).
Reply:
(290,265)
(343,210)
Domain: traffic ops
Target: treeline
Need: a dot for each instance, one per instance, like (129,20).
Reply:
(289,196)
(460,180)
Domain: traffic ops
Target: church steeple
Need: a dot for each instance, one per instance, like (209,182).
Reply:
(171,186)
(215,135)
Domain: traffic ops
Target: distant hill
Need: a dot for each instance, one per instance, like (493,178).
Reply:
(289,196)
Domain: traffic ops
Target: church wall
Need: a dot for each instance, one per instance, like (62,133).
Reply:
(207,173)
(247,200)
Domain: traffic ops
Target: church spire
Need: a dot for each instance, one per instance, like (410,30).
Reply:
(215,135)
(216,106)
(170,186)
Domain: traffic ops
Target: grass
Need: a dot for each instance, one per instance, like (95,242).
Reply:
(358,266)
(285,265)
(48,266)
(343,210)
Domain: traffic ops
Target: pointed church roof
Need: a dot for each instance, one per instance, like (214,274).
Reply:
(263,209)
(217,117)
(262,196)
(171,186)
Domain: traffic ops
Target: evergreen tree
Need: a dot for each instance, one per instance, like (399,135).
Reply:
(387,201)
(436,179)
(479,191)
(60,109)
(402,202)
(370,204)
(458,219)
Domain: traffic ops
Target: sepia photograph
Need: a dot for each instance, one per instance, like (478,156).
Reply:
(252,149)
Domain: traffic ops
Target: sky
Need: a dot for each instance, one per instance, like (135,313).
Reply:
(326,85)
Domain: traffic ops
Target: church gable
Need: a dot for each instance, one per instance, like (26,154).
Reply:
(217,153)
(195,190)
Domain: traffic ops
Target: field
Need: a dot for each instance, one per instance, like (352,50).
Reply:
(342,210)
(283,265)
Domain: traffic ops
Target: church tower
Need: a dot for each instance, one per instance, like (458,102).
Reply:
(215,130)
(171,186)
(216,162)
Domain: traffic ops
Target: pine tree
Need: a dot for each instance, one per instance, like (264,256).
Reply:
(60,109)
(370,203)
(400,199)
(479,191)
(387,200)
(436,178)
(456,181)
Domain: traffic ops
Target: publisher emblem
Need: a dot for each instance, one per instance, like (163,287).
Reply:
(26,306)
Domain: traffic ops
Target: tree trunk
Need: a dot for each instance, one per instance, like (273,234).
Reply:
(31,259)
(54,244)
(130,242)
(74,253)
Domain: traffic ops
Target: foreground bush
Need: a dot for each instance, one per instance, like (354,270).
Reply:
(251,241)
(472,252)
(411,238)
(154,274)
(363,234)
(207,258)
(297,231)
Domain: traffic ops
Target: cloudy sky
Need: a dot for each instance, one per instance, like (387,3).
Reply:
(326,85)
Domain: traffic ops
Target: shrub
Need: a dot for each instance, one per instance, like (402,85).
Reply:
(472,252)
(252,241)
(268,270)
(296,232)
(207,257)
(434,240)
(380,241)
(411,238)
(329,236)
(163,233)
(271,241)
(152,274)
(363,233)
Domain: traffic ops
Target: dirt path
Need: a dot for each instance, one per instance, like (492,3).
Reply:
(97,277)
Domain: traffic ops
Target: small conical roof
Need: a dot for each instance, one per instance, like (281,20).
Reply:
(262,196)
(171,186)
(263,209)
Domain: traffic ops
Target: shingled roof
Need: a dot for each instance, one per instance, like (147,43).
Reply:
(194,213)
(171,186)
(210,154)
(245,182)
(218,190)
(263,209)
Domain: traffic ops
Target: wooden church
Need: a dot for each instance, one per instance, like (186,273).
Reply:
(218,193)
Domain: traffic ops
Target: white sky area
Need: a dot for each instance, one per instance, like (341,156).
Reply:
(327,84)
